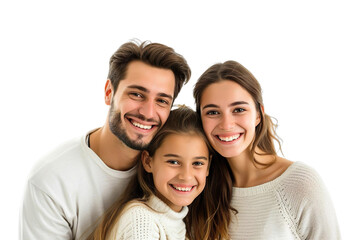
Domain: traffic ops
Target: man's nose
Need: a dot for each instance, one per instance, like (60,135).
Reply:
(147,109)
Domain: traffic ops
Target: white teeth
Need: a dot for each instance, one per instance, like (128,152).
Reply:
(183,189)
(230,138)
(136,124)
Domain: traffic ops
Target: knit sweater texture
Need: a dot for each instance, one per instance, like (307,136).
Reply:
(296,205)
(149,221)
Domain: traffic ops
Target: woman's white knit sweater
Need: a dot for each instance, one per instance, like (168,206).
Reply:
(153,220)
(296,205)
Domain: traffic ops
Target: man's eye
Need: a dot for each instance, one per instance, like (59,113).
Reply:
(163,101)
(137,95)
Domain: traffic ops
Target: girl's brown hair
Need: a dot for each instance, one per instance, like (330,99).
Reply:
(205,217)
(265,134)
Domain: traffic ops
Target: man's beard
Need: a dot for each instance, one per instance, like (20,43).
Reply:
(115,125)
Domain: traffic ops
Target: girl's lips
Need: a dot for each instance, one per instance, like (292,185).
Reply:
(182,188)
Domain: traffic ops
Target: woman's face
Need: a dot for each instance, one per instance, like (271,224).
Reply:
(229,117)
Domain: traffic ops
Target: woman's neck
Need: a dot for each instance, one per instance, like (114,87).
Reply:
(248,173)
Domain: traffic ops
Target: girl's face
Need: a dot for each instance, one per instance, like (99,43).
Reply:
(229,117)
(179,168)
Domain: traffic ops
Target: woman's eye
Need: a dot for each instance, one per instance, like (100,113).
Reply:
(212,112)
(239,110)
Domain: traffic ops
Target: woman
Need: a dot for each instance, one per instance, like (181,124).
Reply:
(272,197)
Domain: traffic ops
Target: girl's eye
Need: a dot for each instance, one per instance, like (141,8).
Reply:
(173,162)
(198,163)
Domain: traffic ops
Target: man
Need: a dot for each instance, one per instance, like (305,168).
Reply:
(73,185)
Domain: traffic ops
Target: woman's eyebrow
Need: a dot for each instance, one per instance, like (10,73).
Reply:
(230,105)
(210,106)
(238,103)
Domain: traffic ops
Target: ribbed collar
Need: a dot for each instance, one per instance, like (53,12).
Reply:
(265,187)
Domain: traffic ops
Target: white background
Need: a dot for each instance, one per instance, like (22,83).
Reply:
(54,61)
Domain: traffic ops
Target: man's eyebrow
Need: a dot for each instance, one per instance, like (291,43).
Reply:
(165,95)
(141,88)
(230,105)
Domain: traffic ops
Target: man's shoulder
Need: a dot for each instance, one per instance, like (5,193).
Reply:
(59,163)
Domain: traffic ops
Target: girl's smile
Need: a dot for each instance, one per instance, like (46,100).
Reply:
(179,168)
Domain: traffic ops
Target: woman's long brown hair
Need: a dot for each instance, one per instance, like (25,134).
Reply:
(208,217)
(221,182)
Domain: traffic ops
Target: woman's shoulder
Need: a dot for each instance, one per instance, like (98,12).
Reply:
(302,172)
(301,180)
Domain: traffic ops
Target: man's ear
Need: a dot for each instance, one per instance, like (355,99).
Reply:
(258,117)
(146,161)
(108,92)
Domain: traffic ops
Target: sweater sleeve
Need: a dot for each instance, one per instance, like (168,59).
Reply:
(311,206)
(41,217)
(138,223)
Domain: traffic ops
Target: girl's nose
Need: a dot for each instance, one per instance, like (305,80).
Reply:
(185,173)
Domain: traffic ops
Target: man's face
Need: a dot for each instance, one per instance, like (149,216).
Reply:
(141,104)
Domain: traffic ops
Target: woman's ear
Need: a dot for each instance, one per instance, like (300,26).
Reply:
(146,161)
(258,117)
(108,92)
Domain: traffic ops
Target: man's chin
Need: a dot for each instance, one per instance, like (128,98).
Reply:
(136,144)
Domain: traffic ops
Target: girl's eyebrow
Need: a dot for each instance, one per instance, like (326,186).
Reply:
(177,156)
(230,105)
(171,155)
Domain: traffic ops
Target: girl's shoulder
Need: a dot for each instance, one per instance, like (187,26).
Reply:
(137,219)
(137,207)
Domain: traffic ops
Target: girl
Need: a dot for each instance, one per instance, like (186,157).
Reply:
(272,197)
(172,173)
